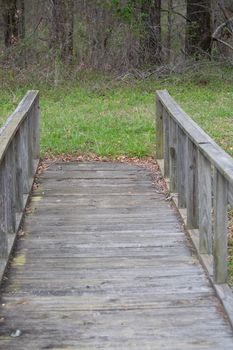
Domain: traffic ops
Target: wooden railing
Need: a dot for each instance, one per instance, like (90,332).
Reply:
(200,175)
(19,156)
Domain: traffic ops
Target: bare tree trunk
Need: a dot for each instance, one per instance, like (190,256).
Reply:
(198,28)
(169,29)
(151,31)
(70,30)
(10,22)
(63,22)
(21,15)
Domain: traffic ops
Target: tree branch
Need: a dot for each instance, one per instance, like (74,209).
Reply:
(224,43)
(220,27)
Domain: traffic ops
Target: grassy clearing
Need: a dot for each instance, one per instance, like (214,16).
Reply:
(113,117)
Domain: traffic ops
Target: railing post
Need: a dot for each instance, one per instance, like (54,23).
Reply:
(18,172)
(181,168)
(205,205)
(192,186)
(220,228)
(24,156)
(173,155)
(3,232)
(159,129)
(10,190)
(29,121)
(36,130)
(166,118)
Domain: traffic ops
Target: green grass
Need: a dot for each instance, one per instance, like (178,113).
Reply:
(110,117)
(113,117)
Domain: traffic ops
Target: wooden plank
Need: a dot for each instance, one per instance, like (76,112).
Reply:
(159,129)
(3,228)
(166,124)
(94,166)
(220,159)
(205,205)
(36,129)
(119,274)
(193,130)
(121,174)
(181,168)
(220,228)
(230,194)
(192,186)
(173,155)
(12,178)
(18,173)
(13,123)
(216,155)
(24,157)
(3,202)
(10,189)
(30,126)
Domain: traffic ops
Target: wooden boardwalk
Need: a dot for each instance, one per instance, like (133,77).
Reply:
(104,264)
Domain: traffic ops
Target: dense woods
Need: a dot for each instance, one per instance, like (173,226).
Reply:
(113,35)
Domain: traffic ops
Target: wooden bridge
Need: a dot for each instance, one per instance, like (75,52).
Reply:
(102,260)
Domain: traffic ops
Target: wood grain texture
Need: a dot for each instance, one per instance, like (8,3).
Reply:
(107,269)
(230,194)
(14,122)
(159,129)
(205,205)
(220,228)
(173,133)
(193,130)
(166,123)
(17,170)
(18,173)
(216,155)
(181,168)
(192,186)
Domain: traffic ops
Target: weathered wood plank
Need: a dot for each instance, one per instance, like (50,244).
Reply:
(13,123)
(221,160)
(159,129)
(230,194)
(205,205)
(173,155)
(3,211)
(9,189)
(192,186)
(14,140)
(24,157)
(36,129)
(108,271)
(216,155)
(193,130)
(181,168)
(18,174)
(166,156)
(220,228)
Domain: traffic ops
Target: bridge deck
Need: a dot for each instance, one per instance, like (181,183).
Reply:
(104,264)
